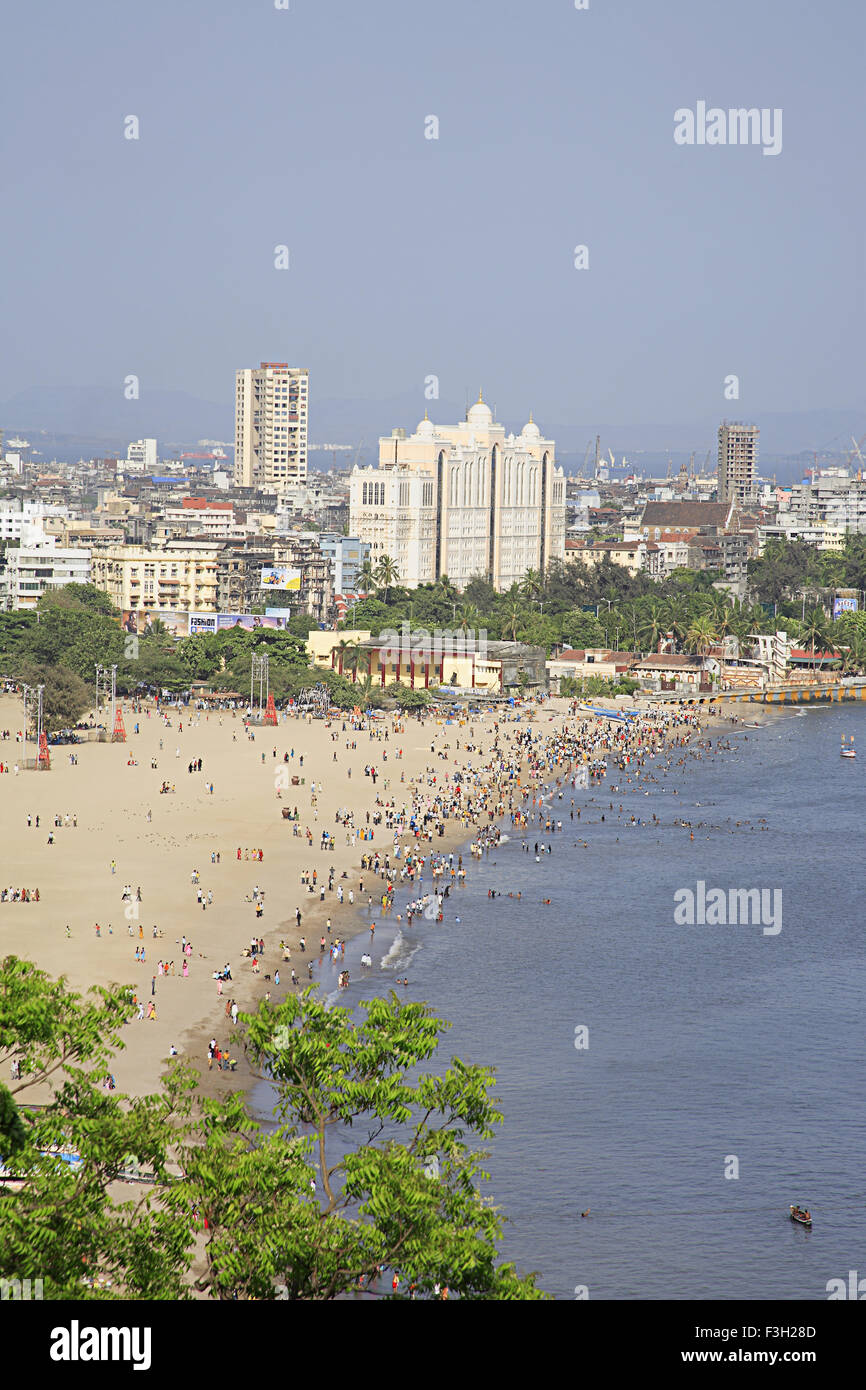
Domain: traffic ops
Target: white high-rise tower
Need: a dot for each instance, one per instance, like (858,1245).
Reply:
(271,426)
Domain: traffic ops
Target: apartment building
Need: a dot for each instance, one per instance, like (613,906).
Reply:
(141,456)
(346,555)
(181,577)
(737,462)
(17,515)
(38,565)
(198,516)
(271,403)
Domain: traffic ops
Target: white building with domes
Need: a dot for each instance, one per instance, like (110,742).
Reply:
(462,500)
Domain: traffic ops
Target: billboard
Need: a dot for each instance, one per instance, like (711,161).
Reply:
(137,622)
(206,624)
(280,577)
(844,605)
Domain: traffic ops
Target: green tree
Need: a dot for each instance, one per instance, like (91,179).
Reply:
(815,631)
(702,634)
(531,586)
(444,589)
(406,1197)
(69,634)
(366,576)
(652,626)
(480,592)
(581,630)
(387,575)
(89,597)
(301,625)
(854,657)
(14,628)
(515,617)
(64,1226)
(407,698)
(65,696)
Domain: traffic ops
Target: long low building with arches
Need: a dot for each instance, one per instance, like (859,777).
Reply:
(462,500)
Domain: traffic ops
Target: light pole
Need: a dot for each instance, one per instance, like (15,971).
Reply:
(39,690)
(100,672)
(26,688)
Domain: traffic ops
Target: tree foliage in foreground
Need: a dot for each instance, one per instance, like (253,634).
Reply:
(370,1163)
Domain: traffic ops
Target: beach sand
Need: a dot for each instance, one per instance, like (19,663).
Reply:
(111,800)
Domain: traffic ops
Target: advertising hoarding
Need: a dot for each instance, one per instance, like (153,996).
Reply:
(281,577)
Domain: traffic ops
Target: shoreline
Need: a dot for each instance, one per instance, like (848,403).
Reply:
(157,844)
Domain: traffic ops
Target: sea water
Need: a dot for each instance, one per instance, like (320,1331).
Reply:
(683,1084)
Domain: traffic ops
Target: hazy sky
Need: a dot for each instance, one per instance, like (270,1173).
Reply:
(455,257)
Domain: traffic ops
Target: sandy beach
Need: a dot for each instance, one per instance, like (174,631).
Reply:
(155,842)
(130,834)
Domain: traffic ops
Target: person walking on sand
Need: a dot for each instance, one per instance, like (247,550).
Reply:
(234,1013)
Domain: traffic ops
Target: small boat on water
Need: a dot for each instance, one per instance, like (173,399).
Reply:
(802,1216)
(848,750)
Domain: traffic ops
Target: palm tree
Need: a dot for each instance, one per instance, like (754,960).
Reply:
(701,634)
(352,658)
(814,630)
(340,651)
(854,657)
(444,589)
(676,620)
(514,616)
(468,616)
(652,625)
(365,689)
(532,585)
(387,574)
(366,577)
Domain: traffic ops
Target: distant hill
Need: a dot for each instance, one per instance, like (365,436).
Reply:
(74,422)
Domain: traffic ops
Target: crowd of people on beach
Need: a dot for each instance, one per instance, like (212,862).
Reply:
(511,767)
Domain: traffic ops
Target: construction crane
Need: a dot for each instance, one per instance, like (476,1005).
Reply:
(855,452)
(586,458)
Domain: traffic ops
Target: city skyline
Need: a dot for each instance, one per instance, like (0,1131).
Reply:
(436,201)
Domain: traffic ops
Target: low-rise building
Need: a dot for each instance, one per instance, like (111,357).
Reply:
(585,662)
(182,577)
(629,554)
(346,555)
(38,565)
(200,517)
(422,661)
(677,672)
